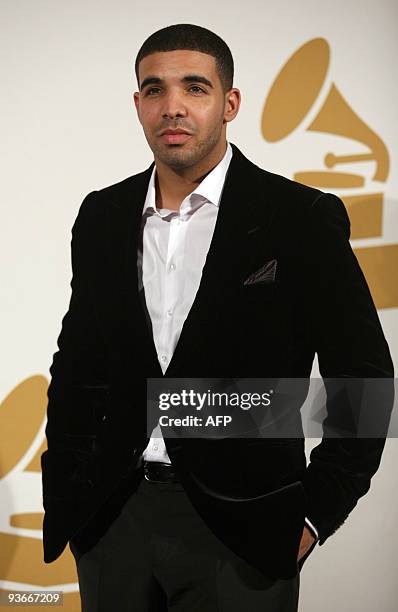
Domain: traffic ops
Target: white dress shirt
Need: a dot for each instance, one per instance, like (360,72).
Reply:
(174,250)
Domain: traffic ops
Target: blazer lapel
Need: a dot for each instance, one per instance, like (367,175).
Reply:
(124,221)
(237,240)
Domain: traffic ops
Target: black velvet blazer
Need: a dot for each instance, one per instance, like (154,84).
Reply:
(254,493)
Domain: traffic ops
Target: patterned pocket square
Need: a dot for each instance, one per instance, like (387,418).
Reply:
(265,274)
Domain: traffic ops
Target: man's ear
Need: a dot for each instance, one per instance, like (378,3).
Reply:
(232,105)
(136,98)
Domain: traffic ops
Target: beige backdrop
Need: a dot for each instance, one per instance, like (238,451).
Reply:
(319,105)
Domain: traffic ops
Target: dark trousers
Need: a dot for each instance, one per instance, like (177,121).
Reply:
(159,555)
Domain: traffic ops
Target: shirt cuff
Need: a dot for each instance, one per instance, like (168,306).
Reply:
(313,529)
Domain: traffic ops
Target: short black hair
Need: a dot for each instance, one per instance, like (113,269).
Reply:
(186,36)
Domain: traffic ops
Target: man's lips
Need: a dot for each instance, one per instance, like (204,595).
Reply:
(174,136)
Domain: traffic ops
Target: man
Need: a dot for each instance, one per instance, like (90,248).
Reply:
(203,265)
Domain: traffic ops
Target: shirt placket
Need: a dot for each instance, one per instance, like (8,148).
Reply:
(172,273)
(170,286)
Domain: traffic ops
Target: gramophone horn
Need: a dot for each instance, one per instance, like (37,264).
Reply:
(295,89)
(293,93)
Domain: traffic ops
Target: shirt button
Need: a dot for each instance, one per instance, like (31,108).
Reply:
(169,312)
(163,358)
(155,448)
(172,267)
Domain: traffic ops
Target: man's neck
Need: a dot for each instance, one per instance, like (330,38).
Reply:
(172,186)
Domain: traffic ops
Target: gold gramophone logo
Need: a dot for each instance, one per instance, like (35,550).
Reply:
(302,98)
(22,441)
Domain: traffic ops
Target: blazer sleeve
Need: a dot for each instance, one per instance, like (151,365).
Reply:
(352,351)
(79,387)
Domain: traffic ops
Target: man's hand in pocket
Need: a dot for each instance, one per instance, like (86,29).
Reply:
(307,540)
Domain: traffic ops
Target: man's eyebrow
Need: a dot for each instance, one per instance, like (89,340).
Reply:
(152,80)
(197,78)
(190,78)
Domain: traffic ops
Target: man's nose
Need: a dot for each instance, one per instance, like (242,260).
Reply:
(173,106)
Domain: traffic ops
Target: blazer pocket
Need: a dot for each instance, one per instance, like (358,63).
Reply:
(81,443)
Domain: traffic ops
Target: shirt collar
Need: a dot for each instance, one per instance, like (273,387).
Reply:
(209,189)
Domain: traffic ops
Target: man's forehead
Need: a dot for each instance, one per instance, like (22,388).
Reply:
(176,62)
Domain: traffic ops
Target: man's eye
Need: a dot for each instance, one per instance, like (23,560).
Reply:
(152,89)
(198,89)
